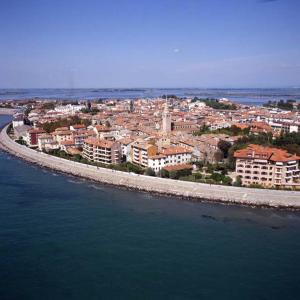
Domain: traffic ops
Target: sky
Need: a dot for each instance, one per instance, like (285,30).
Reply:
(153,43)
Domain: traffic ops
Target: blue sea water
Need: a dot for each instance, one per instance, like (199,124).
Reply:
(66,238)
(245,96)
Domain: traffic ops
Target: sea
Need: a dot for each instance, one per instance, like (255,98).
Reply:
(66,238)
(248,96)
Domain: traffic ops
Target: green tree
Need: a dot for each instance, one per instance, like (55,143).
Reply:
(238,181)
(149,172)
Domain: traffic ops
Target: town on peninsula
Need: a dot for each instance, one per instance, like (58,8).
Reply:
(212,141)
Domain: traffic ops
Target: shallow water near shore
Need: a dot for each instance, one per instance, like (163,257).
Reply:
(67,238)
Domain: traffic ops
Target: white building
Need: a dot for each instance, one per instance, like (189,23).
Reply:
(171,156)
(69,108)
(18,121)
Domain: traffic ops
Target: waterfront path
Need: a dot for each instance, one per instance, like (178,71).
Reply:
(188,190)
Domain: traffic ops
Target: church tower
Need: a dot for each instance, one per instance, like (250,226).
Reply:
(166,119)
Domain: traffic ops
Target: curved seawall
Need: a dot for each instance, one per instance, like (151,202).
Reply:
(189,190)
(8,111)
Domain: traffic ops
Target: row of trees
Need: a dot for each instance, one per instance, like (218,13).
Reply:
(216,104)
(232,131)
(51,126)
(285,105)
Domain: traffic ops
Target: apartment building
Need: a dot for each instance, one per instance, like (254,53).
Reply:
(32,137)
(102,151)
(266,166)
(141,151)
(80,136)
(44,140)
(62,134)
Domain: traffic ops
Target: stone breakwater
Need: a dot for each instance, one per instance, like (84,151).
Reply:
(7,111)
(188,190)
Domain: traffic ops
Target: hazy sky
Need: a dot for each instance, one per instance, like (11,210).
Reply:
(153,43)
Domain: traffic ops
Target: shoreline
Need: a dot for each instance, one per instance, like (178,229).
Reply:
(161,186)
(7,111)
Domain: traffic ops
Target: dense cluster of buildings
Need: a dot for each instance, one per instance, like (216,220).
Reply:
(159,134)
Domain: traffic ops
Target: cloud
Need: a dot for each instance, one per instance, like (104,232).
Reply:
(176,50)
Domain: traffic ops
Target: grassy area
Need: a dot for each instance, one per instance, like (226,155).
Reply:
(232,131)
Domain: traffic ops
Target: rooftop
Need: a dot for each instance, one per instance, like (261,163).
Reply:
(266,153)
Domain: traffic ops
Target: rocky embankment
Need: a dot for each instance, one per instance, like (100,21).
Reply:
(188,190)
(7,111)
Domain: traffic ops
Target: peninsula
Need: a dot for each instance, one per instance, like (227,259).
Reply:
(185,147)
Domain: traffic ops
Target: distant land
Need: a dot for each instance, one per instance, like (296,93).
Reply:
(256,96)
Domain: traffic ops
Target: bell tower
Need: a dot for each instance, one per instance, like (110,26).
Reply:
(166,119)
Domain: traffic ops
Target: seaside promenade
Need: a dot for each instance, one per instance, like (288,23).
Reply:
(189,190)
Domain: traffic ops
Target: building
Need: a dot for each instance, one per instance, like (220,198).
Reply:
(20,132)
(171,156)
(141,151)
(126,148)
(102,151)
(266,166)
(62,134)
(69,109)
(18,121)
(185,126)
(78,127)
(166,120)
(80,136)
(32,137)
(43,140)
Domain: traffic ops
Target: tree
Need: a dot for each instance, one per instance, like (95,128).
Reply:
(238,181)
(227,180)
(218,155)
(198,176)
(216,177)
(134,168)
(164,173)
(224,146)
(89,105)
(48,105)
(149,172)
(199,164)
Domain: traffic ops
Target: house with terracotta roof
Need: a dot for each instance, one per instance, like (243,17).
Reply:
(64,145)
(171,156)
(267,166)
(260,127)
(62,134)
(77,127)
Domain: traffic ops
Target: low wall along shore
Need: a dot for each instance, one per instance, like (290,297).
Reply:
(7,111)
(188,190)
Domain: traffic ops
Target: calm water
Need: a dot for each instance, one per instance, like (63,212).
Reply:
(246,96)
(64,238)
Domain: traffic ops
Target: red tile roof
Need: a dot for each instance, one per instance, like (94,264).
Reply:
(175,150)
(99,143)
(178,167)
(267,153)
